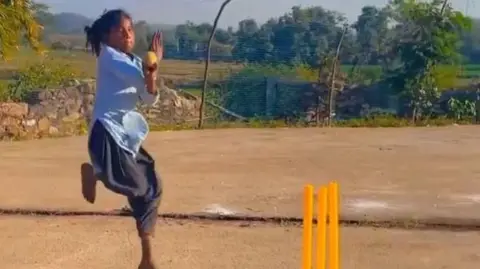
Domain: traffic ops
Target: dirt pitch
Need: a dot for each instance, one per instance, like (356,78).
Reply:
(383,173)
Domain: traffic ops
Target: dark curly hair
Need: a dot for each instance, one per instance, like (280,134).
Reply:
(99,30)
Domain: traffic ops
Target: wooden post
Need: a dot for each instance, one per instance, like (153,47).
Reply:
(331,91)
(477,105)
(270,96)
(207,62)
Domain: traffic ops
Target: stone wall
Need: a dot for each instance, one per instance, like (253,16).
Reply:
(67,111)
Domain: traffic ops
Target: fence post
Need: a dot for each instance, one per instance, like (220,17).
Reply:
(270,96)
(477,107)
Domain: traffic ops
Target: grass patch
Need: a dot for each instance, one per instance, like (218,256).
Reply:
(80,127)
(374,122)
(194,91)
(176,70)
(85,62)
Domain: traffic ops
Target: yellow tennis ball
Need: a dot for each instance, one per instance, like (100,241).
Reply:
(150,59)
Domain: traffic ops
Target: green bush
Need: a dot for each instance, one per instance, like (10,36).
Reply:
(3,90)
(461,109)
(42,75)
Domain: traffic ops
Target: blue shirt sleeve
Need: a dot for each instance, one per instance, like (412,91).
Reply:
(122,67)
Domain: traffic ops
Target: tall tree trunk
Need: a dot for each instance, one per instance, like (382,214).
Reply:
(331,90)
(207,62)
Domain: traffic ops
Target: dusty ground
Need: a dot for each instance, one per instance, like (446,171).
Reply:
(99,243)
(419,171)
(382,173)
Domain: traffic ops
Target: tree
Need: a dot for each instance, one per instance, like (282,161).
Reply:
(141,36)
(18,22)
(471,43)
(428,35)
(372,29)
(244,49)
(207,61)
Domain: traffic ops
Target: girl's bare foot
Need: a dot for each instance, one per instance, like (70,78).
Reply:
(147,258)
(89,182)
(147,264)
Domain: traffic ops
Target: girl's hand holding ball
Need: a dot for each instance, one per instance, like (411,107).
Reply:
(155,52)
(150,62)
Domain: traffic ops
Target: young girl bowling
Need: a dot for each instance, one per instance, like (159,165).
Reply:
(117,131)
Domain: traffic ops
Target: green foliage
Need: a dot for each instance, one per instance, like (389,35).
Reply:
(385,121)
(366,75)
(307,73)
(461,109)
(422,91)
(375,112)
(428,34)
(261,70)
(3,91)
(370,122)
(418,54)
(447,76)
(18,22)
(302,35)
(40,76)
(372,36)
(374,121)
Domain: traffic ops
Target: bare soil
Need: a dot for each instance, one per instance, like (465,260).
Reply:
(104,243)
(411,172)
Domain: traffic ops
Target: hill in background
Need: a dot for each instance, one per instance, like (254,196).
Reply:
(68,26)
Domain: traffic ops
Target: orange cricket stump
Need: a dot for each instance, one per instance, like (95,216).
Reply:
(321,228)
(333,235)
(307,227)
(327,221)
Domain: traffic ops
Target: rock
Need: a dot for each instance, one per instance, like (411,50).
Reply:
(9,121)
(17,110)
(14,131)
(44,95)
(73,93)
(71,106)
(61,113)
(187,105)
(61,94)
(36,111)
(88,99)
(72,117)
(51,111)
(29,123)
(88,110)
(52,130)
(87,88)
(44,125)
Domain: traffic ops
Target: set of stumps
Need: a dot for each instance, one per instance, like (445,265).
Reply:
(326,234)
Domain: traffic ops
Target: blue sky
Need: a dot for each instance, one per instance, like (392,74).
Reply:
(179,11)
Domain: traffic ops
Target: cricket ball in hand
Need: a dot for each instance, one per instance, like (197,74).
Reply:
(150,60)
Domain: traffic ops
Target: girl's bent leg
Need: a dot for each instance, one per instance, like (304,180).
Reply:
(133,177)
(145,208)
